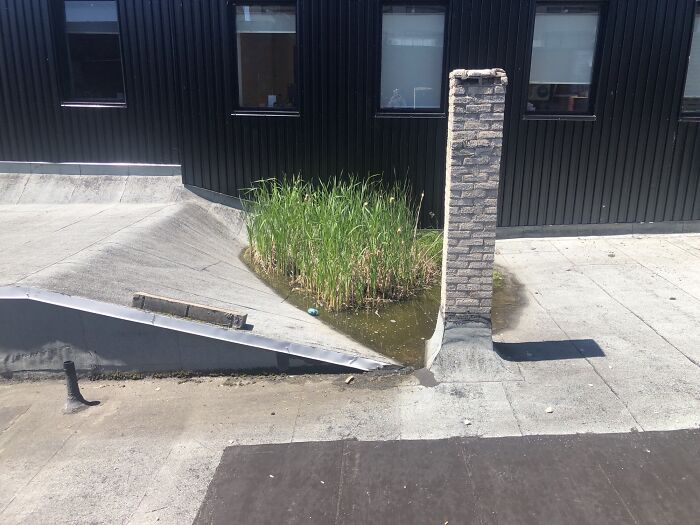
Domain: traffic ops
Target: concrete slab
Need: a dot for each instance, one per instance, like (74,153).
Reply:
(466,355)
(182,251)
(150,189)
(594,340)
(48,189)
(539,348)
(449,410)
(343,412)
(585,403)
(637,340)
(11,187)
(664,258)
(670,310)
(37,242)
(99,189)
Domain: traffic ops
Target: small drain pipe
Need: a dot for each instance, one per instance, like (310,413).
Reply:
(75,400)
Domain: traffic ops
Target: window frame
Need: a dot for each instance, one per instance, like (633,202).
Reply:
(590,114)
(689,116)
(438,112)
(62,53)
(232,61)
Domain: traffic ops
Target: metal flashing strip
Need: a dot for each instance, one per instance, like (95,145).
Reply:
(91,168)
(192,327)
(602,229)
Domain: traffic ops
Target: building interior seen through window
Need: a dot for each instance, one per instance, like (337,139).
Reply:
(266,48)
(94,51)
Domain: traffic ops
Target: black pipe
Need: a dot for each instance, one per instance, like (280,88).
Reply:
(75,400)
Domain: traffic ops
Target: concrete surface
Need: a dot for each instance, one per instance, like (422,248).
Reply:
(106,243)
(464,353)
(44,188)
(147,453)
(605,342)
(619,315)
(588,479)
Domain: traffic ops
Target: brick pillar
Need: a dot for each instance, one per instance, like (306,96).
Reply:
(474,135)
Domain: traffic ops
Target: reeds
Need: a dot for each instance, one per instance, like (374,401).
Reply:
(350,243)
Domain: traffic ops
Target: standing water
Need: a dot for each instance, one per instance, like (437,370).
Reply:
(399,329)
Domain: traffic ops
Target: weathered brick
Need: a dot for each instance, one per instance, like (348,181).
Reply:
(483,109)
(477,104)
(476,124)
(492,116)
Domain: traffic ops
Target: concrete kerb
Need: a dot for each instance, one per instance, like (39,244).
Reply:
(61,188)
(192,311)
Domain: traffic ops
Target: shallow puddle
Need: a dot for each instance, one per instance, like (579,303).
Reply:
(399,330)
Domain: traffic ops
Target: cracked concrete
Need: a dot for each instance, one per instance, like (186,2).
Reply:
(630,306)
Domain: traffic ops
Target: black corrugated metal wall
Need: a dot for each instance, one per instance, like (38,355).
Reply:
(34,126)
(336,131)
(635,162)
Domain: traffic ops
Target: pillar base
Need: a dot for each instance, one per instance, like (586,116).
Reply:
(463,353)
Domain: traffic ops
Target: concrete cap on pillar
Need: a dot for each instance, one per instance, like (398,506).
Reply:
(480,73)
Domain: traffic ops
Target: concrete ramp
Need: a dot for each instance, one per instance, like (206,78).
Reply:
(39,330)
(101,252)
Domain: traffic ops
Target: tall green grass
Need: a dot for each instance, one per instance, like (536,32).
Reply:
(349,243)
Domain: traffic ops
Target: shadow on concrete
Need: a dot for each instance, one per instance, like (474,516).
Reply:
(548,350)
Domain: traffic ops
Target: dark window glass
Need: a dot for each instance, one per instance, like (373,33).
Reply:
(691,96)
(563,56)
(412,57)
(266,39)
(94,52)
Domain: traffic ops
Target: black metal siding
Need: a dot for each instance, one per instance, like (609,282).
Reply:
(34,126)
(336,131)
(635,162)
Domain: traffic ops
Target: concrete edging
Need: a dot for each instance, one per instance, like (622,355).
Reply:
(192,311)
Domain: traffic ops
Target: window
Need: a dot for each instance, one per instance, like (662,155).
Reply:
(266,45)
(691,96)
(413,40)
(92,52)
(563,58)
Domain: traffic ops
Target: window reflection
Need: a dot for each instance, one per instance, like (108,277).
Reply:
(691,96)
(94,51)
(563,53)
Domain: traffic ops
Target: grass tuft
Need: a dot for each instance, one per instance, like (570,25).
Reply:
(349,243)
